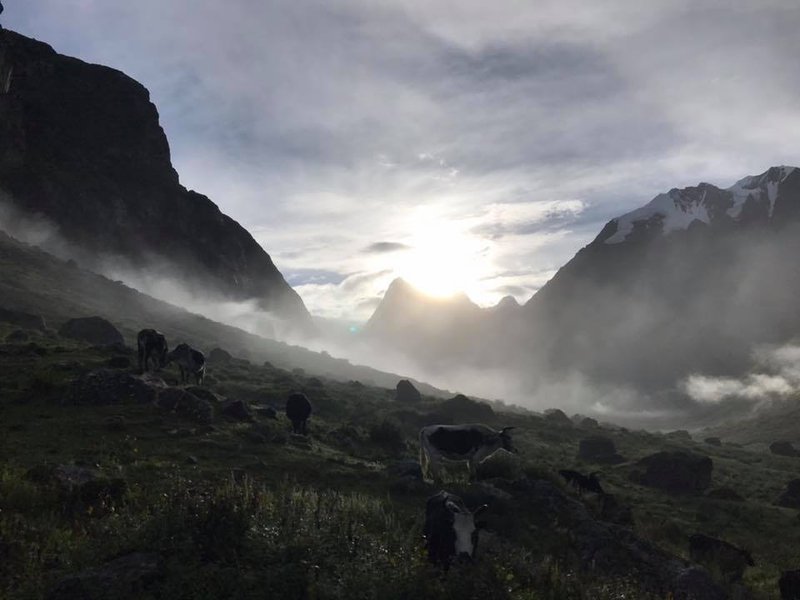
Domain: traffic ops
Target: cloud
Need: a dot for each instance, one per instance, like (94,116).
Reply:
(780,377)
(382,247)
(322,127)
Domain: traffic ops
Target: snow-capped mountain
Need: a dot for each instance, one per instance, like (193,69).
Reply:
(753,198)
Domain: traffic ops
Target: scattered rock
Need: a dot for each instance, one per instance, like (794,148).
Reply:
(783,449)
(93,330)
(790,498)
(204,394)
(129,576)
(346,438)
(675,472)
(500,464)
(598,449)
(218,356)
(789,585)
(81,490)
(713,441)
(237,410)
(694,583)
(185,404)
(720,557)
(589,423)
(460,409)
(191,460)
(22,319)
(17,336)
(315,382)
(679,434)
(556,416)
(724,494)
(406,392)
(266,412)
(104,386)
(119,362)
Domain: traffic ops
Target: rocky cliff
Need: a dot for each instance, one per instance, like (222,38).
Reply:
(81,145)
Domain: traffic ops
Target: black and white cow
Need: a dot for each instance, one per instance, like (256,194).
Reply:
(582,483)
(190,361)
(471,443)
(151,345)
(298,409)
(719,556)
(451,530)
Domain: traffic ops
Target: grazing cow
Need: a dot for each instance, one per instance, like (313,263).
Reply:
(151,345)
(728,561)
(190,362)
(298,409)
(471,443)
(582,483)
(790,585)
(450,529)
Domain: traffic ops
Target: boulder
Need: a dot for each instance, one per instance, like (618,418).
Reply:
(789,585)
(185,404)
(676,472)
(237,410)
(129,576)
(556,416)
(460,409)
(406,392)
(266,412)
(598,449)
(92,330)
(589,423)
(713,441)
(23,319)
(722,558)
(679,434)
(104,386)
(404,469)
(613,511)
(783,449)
(218,356)
(790,498)
(204,394)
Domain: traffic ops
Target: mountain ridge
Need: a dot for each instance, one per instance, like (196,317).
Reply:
(82,147)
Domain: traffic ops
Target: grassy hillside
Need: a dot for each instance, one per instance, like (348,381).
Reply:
(37,282)
(240,509)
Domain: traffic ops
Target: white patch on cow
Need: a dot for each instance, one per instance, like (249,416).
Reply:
(464,526)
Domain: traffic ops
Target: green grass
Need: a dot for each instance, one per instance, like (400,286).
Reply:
(237,510)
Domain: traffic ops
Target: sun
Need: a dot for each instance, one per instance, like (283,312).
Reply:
(442,262)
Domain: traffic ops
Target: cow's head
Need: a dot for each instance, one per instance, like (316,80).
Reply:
(505,439)
(451,529)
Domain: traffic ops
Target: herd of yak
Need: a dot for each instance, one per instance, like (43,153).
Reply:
(451,528)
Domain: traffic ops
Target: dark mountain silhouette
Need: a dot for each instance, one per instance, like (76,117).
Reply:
(81,146)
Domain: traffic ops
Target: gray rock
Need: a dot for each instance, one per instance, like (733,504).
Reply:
(103,386)
(185,404)
(404,469)
(406,392)
(237,410)
(218,356)
(92,330)
(783,449)
(598,449)
(675,472)
(713,441)
(266,412)
(556,416)
(790,498)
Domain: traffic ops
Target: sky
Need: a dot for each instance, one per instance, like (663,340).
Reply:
(463,145)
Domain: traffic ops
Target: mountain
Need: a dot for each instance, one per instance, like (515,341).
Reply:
(437,332)
(82,150)
(691,282)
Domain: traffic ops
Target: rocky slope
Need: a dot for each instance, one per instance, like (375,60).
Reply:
(81,146)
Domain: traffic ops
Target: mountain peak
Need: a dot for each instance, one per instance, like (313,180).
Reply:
(751,198)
